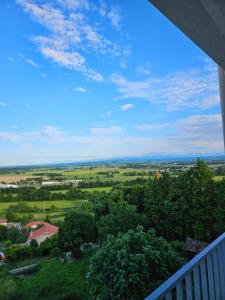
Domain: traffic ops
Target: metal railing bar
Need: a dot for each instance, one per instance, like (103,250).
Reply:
(216,274)
(210,277)
(180,274)
(179,291)
(197,286)
(204,280)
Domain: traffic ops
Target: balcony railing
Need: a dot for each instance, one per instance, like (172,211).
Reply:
(201,278)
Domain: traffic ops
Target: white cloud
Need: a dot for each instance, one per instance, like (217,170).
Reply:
(32,63)
(193,135)
(115,17)
(126,107)
(2,104)
(10,59)
(107,114)
(72,33)
(151,127)
(80,89)
(70,60)
(104,131)
(201,127)
(74,4)
(144,69)
(191,89)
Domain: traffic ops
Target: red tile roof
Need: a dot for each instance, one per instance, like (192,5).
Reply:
(3,221)
(46,229)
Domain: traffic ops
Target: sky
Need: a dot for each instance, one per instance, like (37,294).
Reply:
(96,79)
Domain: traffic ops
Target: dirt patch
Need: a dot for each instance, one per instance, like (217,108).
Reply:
(13,178)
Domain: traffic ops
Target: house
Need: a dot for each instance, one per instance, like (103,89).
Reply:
(51,183)
(3,222)
(40,231)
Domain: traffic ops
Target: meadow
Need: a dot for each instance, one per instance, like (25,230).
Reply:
(60,207)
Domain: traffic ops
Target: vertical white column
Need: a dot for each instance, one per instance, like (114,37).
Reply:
(221,74)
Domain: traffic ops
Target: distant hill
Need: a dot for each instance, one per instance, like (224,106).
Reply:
(126,160)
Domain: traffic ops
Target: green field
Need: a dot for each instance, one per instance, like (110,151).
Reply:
(97,189)
(62,206)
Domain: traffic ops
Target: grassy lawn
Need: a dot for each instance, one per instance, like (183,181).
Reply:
(55,280)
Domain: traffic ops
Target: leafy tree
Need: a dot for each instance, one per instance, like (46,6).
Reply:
(121,218)
(47,245)
(11,216)
(17,236)
(13,234)
(198,200)
(3,232)
(131,265)
(135,195)
(34,247)
(78,228)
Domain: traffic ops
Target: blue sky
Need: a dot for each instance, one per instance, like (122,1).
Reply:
(96,79)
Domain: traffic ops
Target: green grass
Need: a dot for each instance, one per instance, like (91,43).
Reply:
(97,189)
(218,178)
(54,281)
(62,206)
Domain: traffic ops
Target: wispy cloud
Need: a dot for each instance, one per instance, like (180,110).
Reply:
(2,104)
(190,89)
(144,69)
(72,34)
(32,63)
(115,17)
(80,89)
(103,131)
(126,107)
(107,114)
(200,127)
(151,127)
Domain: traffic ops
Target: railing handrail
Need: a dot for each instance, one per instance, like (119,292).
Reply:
(170,283)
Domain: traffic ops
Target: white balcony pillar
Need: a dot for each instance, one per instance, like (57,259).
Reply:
(221,74)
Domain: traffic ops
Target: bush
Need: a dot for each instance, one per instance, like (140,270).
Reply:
(131,265)
(18,252)
(55,252)
(7,289)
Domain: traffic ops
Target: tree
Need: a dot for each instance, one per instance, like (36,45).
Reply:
(17,236)
(34,247)
(12,234)
(78,228)
(131,265)
(198,202)
(47,245)
(121,218)
(3,232)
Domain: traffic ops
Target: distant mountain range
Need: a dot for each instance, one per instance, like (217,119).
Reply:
(126,160)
